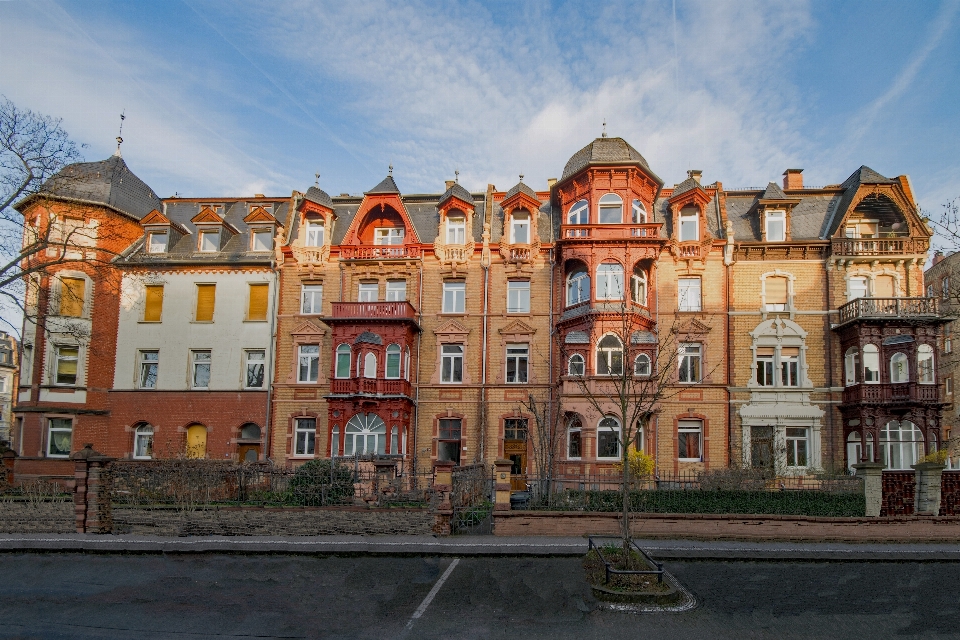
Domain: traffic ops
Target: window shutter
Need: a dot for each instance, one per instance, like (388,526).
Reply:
(764,351)
(71,296)
(154,308)
(790,351)
(883,287)
(776,291)
(206,295)
(258,302)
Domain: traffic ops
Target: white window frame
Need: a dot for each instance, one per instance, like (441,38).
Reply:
(257,235)
(578,287)
(520,228)
(314,236)
(605,429)
(606,356)
(692,351)
(308,363)
(250,359)
(449,354)
(518,355)
(899,374)
(870,357)
(55,426)
(311,299)
(851,367)
(575,426)
(895,448)
(610,281)
(304,437)
(204,243)
(638,286)
(690,427)
(642,360)
(396,290)
(369,365)
(689,294)
(771,219)
(580,363)
(789,375)
(925,368)
(454,297)
(145,363)
(197,362)
(689,224)
(768,363)
(795,442)
(143,442)
(610,209)
(456,229)
(62,358)
(518,296)
(153,246)
(579,213)
(856,285)
(388,235)
(368,292)
(638,212)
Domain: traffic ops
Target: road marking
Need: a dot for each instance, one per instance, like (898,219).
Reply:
(430,596)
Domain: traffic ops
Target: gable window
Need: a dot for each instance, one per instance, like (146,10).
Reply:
(157,242)
(448,442)
(309,362)
(689,292)
(851,363)
(899,368)
(206,297)
(638,285)
(858,288)
(253,374)
(67,359)
(209,241)
(257,304)
(261,240)
(579,213)
(641,365)
(574,439)
(149,368)
(765,358)
(517,355)
(365,433)
(388,235)
(200,362)
(393,361)
(314,237)
(608,438)
(925,364)
(305,436)
(689,224)
(610,281)
(311,298)
(610,356)
(578,286)
(776,226)
(775,294)
(59,437)
(689,440)
(396,290)
(871,364)
(454,297)
(689,365)
(451,363)
(518,296)
(143,442)
(858,228)
(153,303)
(576,365)
(639,212)
(520,228)
(368,292)
(343,361)
(456,229)
(72,296)
(611,209)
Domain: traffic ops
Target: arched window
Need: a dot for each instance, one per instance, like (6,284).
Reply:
(925,364)
(855,449)
(393,361)
(611,209)
(608,438)
(249,431)
(370,365)
(406,363)
(851,362)
(610,281)
(689,224)
(899,368)
(520,227)
(609,356)
(143,442)
(901,444)
(343,361)
(579,213)
(639,213)
(578,286)
(576,365)
(641,365)
(574,438)
(871,364)
(638,285)
(365,433)
(456,229)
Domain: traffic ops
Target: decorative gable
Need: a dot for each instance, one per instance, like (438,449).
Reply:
(451,331)
(207,216)
(259,215)
(517,329)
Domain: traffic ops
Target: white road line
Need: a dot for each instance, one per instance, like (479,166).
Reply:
(433,592)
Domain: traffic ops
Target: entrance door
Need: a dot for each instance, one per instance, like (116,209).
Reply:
(516,452)
(248,452)
(761,447)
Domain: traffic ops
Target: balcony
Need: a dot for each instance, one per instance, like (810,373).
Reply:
(370,387)
(878,246)
(379,252)
(886,308)
(891,393)
(611,231)
(374,311)
(455,253)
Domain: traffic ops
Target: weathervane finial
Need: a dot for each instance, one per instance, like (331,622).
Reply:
(317,182)
(521,177)
(390,170)
(120,134)
(456,173)
(604,134)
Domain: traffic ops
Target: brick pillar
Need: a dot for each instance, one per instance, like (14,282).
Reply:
(9,458)
(927,498)
(502,481)
(91,495)
(443,485)
(872,474)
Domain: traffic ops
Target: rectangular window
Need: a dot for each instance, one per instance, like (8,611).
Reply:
(689,364)
(206,297)
(200,362)
(72,291)
(389,235)
(775,294)
(456,230)
(858,288)
(790,366)
(309,359)
(689,225)
(67,359)
(3,385)
(59,437)
(948,386)
(368,292)
(314,236)
(396,290)
(861,229)
(209,241)
(153,303)
(929,290)
(520,228)
(454,297)
(689,292)
(515,429)
(797,446)
(451,363)
(518,296)
(689,437)
(305,436)
(393,362)
(343,361)
(259,295)
(157,242)
(311,298)
(608,438)
(517,355)
(149,368)
(262,240)
(574,443)
(765,366)
(945,288)
(449,440)
(776,226)
(947,339)
(253,376)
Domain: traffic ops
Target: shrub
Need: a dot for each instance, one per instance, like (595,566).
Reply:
(641,464)
(322,482)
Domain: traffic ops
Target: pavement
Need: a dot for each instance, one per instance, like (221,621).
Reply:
(477,546)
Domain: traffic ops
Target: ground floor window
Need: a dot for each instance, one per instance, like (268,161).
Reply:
(855,449)
(574,439)
(305,438)
(901,444)
(608,438)
(449,440)
(797,447)
(59,437)
(143,442)
(366,433)
(689,440)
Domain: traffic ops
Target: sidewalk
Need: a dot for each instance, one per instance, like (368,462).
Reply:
(476,546)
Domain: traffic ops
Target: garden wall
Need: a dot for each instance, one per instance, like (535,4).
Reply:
(25,516)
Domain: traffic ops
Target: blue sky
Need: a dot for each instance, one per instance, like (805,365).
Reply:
(233,98)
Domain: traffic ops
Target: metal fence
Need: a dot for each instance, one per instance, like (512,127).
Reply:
(471,497)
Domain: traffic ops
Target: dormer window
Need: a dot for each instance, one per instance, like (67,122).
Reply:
(388,235)
(860,228)
(261,240)
(456,230)
(611,209)
(520,228)
(579,213)
(157,241)
(776,226)
(639,213)
(314,233)
(689,224)
(209,241)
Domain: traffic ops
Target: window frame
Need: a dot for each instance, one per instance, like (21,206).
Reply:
(143,363)
(852,290)
(851,366)
(647,361)
(926,371)
(521,220)
(579,278)
(58,358)
(256,233)
(393,351)
(308,355)
(197,363)
(582,365)
(456,361)
(874,357)
(306,427)
(689,426)
(315,292)
(610,274)
(367,289)
(392,235)
(607,430)
(574,426)
(51,430)
(203,235)
(580,209)
(613,202)
(247,362)
(315,235)
(143,432)
(687,221)
(456,229)
(637,207)
(393,288)
(778,215)
(607,356)
(151,245)
(684,302)
(457,292)
(903,373)
(342,355)
(793,447)
(518,296)
(520,360)
(445,436)
(697,357)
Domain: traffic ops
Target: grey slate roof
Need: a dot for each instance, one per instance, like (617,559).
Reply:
(806,219)
(548,226)
(108,182)
(422,210)
(455,191)
(605,151)
(319,196)
(368,337)
(661,213)
(863,175)
(387,185)
(773,192)
(687,185)
(520,187)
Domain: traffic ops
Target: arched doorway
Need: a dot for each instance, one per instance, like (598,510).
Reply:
(248,444)
(196,441)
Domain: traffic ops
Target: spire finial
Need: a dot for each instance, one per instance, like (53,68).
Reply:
(317,181)
(120,134)
(390,170)
(604,134)
(521,177)
(456,173)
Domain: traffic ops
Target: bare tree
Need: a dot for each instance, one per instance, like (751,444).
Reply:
(546,439)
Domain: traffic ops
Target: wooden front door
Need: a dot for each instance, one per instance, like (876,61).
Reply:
(248,452)
(516,452)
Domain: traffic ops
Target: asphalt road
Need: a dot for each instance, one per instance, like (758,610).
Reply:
(239,596)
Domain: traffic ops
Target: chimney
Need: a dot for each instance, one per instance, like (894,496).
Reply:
(937,256)
(695,174)
(448,183)
(259,195)
(551,182)
(793,179)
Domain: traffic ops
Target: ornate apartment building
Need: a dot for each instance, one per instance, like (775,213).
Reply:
(425,327)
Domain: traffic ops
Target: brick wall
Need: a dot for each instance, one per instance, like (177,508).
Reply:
(23,516)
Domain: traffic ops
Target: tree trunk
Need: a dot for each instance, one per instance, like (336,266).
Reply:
(625,457)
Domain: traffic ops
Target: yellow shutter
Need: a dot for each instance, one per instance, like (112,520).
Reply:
(776,291)
(883,287)
(71,296)
(154,307)
(258,302)
(790,351)
(206,295)
(764,351)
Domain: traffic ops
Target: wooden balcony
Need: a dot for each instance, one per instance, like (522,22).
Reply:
(878,246)
(370,387)
(888,393)
(611,231)
(379,252)
(374,311)
(886,308)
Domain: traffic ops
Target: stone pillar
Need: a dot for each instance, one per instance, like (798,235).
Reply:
(443,485)
(9,458)
(502,485)
(927,498)
(91,495)
(872,474)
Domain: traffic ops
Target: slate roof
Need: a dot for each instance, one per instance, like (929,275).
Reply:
(455,191)
(319,196)
(806,219)
(687,185)
(520,187)
(387,185)
(422,210)
(661,213)
(106,182)
(773,192)
(863,175)
(606,151)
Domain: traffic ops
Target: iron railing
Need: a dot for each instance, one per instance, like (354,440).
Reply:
(906,308)
(608,565)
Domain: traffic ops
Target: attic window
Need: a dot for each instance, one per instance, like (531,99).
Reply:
(860,228)
(267,206)
(314,237)
(456,229)
(157,242)
(261,240)
(689,224)
(209,241)
(217,208)
(776,222)
(520,228)
(388,235)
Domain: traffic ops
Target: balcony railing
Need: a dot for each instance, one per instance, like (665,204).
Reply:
(689,250)
(612,231)
(892,393)
(374,310)
(370,386)
(863,308)
(877,246)
(455,253)
(379,252)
